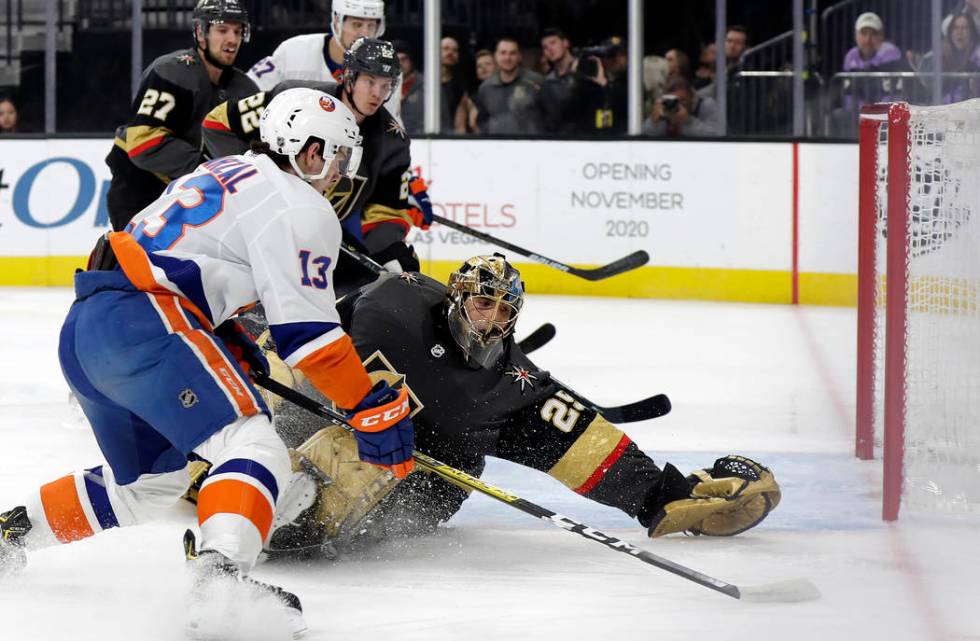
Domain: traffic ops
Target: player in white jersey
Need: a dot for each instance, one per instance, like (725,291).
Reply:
(160,369)
(320,56)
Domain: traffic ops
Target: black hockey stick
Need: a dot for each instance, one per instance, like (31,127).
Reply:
(624,264)
(783,591)
(537,339)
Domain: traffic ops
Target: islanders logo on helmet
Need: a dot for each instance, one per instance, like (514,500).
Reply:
(327,103)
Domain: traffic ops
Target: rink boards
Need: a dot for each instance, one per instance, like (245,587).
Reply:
(742,221)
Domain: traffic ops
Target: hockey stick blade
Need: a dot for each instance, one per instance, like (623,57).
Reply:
(789,591)
(624,264)
(648,408)
(537,339)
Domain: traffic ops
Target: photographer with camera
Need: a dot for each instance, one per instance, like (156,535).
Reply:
(680,112)
(569,98)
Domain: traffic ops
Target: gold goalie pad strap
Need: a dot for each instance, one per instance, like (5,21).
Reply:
(356,487)
(722,506)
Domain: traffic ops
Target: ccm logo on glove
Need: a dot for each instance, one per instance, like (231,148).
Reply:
(385,417)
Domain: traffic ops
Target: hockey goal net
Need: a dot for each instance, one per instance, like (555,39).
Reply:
(918,383)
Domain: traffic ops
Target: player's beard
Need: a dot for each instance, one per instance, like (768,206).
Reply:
(214,61)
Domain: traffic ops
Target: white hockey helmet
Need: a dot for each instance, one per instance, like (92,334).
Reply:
(296,115)
(370,9)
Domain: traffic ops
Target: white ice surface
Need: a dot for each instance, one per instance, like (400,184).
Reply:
(773,382)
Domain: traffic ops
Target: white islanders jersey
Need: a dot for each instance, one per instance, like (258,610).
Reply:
(307,57)
(236,231)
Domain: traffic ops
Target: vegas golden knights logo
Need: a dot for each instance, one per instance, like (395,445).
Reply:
(345,194)
(378,368)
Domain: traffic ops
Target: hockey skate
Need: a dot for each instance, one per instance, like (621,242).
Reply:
(226,604)
(14,526)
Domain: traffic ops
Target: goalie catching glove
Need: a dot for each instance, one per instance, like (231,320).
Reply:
(731,497)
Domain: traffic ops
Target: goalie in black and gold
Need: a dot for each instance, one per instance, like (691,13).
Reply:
(475,394)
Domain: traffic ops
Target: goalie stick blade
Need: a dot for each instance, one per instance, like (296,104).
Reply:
(648,408)
(624,264)
(790,591)
(537,339)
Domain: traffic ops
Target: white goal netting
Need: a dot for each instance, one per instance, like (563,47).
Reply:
(941,465)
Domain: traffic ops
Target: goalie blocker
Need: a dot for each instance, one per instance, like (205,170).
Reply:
(473,393)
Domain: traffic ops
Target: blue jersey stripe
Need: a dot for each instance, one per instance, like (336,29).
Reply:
(250,468)
(185,274)
(99,498)
(290,337)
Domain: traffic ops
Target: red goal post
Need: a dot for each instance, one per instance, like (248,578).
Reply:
(918,369)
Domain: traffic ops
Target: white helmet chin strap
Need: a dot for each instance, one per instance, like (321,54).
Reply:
(309,177)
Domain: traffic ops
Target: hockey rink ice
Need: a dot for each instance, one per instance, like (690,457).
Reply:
(774,382)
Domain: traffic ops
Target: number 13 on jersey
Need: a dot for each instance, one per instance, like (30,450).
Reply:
(320,266)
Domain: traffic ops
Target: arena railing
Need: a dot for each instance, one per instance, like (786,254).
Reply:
(848,91)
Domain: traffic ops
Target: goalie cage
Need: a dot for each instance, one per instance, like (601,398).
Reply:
(918,369)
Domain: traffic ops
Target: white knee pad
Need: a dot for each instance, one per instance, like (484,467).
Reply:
(249,468)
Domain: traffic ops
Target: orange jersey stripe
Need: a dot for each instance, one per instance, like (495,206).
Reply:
(63,509)
(231,496)
(336,370)
(600,471)
(214,357)
(134,263)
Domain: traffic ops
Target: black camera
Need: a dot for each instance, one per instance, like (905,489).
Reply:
(588,65)
(671,103)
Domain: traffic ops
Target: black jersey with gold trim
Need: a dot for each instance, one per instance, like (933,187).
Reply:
(162,139)
(514,411)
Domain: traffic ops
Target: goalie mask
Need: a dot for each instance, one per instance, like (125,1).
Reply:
(486,295)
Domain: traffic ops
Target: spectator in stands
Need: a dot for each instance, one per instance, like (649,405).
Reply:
(509,101)
(972,9)
(659,70)
(560,97)
(617,92)
(961,53)
(485,65)
(453,108)
(871,53)
(678,63)
(681,112)
(704,75)
(411,90)
(8,115)
(736,42)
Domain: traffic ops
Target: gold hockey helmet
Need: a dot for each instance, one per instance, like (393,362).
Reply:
(486,295)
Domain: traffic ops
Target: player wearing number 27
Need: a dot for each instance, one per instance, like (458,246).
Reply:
(161,371)
(162,139)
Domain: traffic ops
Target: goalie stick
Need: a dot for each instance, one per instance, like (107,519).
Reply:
(624,264)
(537,339)
(783,591)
